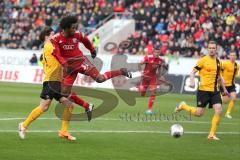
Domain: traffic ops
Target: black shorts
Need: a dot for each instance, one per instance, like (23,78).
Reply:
(51,89)
(230,89)
(205,98)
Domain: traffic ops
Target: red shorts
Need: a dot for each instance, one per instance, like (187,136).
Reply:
(80,65)
(146,82)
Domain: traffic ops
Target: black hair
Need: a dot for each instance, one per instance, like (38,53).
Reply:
(67,21)
(45,32)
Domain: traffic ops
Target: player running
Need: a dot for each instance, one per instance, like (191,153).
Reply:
(51,89)
(149,77)
(208,93)
(71,57)
(230,70)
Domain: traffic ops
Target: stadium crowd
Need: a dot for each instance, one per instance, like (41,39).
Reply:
(178,27)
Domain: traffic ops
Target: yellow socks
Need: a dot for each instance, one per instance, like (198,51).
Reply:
(215,122)
(36,112)
(67,114)
(193,110)
(230,107)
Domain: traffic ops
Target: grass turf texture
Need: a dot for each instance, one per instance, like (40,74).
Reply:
(113,136)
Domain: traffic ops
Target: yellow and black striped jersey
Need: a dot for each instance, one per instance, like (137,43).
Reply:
(209,70)
(229,72)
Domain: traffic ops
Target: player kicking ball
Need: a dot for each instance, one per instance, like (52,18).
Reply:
(229,73)
(51,89)
(67,52)
(149,77)
(208,93)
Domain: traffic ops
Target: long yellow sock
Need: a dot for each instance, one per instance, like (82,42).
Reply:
(215,122)
(193,110)
(36,112)
(230,106)
(67,114)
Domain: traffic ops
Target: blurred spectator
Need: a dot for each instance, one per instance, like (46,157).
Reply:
(21,21)
(179,27)
(96,41)
(204,49)
(184,27)
(34,61)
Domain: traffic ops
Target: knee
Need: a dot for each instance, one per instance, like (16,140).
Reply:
(234,98)
(100,79)
(225,99)
(199,114)
(218,111)
(142,94)
(65,102)
(153,93)
(66,91)
(45,107)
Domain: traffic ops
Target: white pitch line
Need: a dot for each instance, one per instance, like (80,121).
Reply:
(18,118)
(116,131)
(116,119)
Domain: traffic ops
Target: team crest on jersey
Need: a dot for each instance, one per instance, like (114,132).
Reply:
(74,40)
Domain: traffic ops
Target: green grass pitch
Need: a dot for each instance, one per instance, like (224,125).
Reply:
(113,136)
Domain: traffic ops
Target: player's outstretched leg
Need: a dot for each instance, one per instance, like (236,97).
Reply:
(112,74)
(183,106)
(126,73)
(94,74)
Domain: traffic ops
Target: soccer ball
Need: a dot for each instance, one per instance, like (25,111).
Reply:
(176,130)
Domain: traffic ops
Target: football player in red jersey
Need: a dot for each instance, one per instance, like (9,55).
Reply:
(67,52)
(149,77)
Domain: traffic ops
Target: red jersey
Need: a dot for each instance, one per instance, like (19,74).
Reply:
(68,48)
(152,64)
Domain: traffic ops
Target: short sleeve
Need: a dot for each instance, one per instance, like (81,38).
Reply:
(79,36)
(48,48)
(199,65)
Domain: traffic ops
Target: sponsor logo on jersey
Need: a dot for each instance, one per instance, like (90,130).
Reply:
(68,47)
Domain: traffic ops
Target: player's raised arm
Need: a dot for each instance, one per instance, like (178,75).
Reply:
(87,43)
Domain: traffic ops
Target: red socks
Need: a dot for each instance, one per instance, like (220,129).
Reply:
(78,100)
(111,74)
(151,101)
